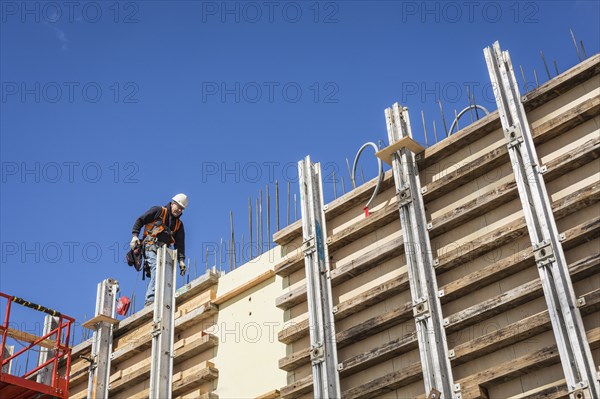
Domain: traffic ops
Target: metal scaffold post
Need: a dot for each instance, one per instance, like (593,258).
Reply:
(161,373)
(569,331)
(326,380)
(427,310)
(102,324)
(45,374)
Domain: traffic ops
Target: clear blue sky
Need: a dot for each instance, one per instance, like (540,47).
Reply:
(108,108)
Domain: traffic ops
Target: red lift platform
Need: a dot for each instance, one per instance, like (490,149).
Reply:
(56,341)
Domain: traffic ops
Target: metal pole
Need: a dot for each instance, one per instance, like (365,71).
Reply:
(567,324)
(163,326)
(99,373)
(323,344)
(427,309)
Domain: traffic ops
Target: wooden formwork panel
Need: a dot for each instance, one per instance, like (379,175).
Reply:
(496,321)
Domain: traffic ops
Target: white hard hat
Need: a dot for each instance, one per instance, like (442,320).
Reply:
(181,199)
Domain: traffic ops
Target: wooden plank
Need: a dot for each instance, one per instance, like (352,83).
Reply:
(524,258)
(202,283)
(555,390)
(485,243)
(493,306)
(91,323)
(390,350)
(520,366)
(241,289)
(580,156)
(290,264)
(372,296)
(364,226)
(562,83)
(184,382)
(385,384)
(30,338)
(517,331)
(385,154)
(348,270)
(574,116)
(465,173)
(274,394)
(298,388)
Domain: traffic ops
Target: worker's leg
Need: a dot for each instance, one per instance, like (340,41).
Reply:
(151,258)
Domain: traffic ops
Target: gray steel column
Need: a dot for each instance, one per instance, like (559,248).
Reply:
(427,310)
(569,331)
(103,340)
(161,373)
(44,376)
(326,380)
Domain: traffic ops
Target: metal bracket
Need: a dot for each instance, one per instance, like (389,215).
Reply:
(581,391)
(434,394)
(421,310)
(156,328)
(317,354)
(544,254)
(309,246)
(513,136)
(403,196)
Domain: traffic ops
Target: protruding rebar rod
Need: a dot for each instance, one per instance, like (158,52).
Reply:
(350,173)
(583,49)
(435,132)
(362,175)
(456,119)
(443,118)
(424,131)
(469,101)
(221,255)
(334,184)
(257,229)
(295,208)
(250,224)
(343,186)
(545,65)
(288,203)
(556,68)
(575,44)
(475,106)
(233,260)
(277,205)
(524,80)
(537,83)
(268,218)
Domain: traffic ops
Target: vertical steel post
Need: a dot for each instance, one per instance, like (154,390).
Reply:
(427,310)
(569,331)
(326,380)
(44,376)
(163,325)
(102,340)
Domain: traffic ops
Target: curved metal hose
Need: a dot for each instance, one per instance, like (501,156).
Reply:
(461,113)
(380,166)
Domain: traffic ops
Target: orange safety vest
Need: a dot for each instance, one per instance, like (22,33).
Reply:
(158,226)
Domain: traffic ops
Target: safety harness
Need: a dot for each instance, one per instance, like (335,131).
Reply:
(160,227)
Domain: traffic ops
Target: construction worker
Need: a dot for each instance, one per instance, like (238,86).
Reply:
(162,225)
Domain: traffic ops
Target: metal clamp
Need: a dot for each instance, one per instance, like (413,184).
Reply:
(309,246)
(403,196)
(544,254)
(421,310)
(434,394)
(156,328)
(317,354)
(513,136)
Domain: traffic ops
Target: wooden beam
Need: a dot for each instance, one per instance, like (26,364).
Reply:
(91,323)
(385,154)
(243,288)
(385,384)
(562,83)
(30,338)
(298,388)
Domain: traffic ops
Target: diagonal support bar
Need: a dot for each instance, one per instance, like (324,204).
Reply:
(427,310)
(569,331)
(326,380)
(163,325)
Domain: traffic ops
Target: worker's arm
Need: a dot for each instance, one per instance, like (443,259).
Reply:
(150,216)
(180,242)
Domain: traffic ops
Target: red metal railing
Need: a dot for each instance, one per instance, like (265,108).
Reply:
(57,341)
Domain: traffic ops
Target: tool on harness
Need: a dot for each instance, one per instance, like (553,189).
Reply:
(134,257)
(159,231)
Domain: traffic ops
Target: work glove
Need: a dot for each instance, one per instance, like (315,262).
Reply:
(134,241)
(182,268)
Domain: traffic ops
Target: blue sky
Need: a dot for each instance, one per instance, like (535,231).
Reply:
(108,108)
